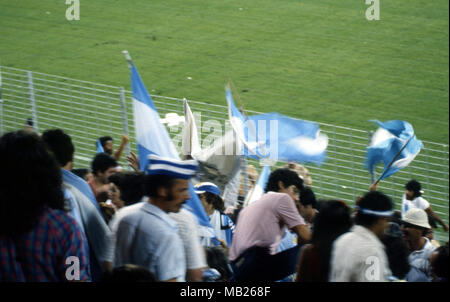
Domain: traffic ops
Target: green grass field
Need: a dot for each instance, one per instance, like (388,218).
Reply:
(315,60)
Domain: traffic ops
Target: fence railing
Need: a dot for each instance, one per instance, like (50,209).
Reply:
(87,110)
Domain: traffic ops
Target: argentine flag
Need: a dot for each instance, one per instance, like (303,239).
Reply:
(152,138)
(394,144)
(277,137)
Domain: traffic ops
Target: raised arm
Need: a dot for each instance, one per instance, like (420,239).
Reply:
(123,143)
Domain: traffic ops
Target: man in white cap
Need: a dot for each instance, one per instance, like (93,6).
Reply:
(414,223)
(146,235)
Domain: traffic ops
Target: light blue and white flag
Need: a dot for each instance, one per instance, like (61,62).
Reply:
(394,144)
(152,138)
(277,137)
(259,188)
(100,147)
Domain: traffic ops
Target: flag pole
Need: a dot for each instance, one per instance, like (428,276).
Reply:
(393,160)
(233,89)
(128,57)
(242,139)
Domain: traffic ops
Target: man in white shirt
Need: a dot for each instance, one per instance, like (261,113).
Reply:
(359,255)
(412,199)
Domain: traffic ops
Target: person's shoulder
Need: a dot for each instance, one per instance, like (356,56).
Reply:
(276,198)
(422,201)
(55,216)
(348,240)
(58,222)
(308,249)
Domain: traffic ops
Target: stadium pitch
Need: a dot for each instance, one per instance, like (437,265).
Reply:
(316,60)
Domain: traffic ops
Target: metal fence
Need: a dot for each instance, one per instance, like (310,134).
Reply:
(87,110)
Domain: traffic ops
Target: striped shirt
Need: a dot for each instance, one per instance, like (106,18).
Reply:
(52,251)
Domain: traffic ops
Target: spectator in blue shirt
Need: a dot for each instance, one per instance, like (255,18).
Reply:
(146,235)
(83,208)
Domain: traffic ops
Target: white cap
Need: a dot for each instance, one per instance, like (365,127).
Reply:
(417,217)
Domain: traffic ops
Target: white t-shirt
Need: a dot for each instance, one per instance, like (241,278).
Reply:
(417,202)
(188,232)
(359,256)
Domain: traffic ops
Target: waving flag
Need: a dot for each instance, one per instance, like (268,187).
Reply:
(190,142)
(277,137)
(152,138)
(258,190)
(394,144)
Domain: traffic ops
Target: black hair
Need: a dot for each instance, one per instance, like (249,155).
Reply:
(102,162)
(153,182)
(440,265)
(131,186)
(34,182)
(287,177)
(397,217)
(375,201)
(397,253)
(215,200)
(332,220)
(81,172)
(414,186)
(128,273)
(103,140)
(307,197)
(29,122)
(217,259)
(60,144)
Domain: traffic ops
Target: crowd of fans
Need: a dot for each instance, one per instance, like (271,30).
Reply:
(104,224)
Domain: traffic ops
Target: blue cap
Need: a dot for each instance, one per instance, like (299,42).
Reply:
(184,169)
(203,187)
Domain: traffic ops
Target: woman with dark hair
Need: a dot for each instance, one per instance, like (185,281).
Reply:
(332,220)
(37,237)
(127,188)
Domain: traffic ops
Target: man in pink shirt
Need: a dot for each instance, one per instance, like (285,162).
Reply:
(261,226)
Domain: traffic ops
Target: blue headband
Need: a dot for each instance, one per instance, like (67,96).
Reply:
(184,169)
(375,213)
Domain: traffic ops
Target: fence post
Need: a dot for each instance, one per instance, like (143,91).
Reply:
(124,117)
(370,133)
(32,101)
(1,104)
